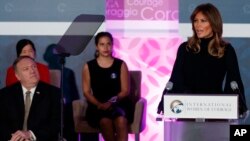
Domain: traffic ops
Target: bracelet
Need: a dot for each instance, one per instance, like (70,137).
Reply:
(113,99)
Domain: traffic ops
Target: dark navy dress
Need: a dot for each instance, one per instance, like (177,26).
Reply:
(105,83)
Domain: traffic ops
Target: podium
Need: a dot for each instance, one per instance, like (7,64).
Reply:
(199,117)
(197,131)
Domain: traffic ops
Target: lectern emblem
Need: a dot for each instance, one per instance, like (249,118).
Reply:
(176,106)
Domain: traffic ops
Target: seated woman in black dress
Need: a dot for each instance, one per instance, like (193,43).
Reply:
(105,86)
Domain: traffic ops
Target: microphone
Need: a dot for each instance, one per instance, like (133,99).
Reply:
(168,87)
(243,107)
(234,87)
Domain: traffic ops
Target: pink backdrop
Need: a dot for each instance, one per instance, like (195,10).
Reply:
(146,37)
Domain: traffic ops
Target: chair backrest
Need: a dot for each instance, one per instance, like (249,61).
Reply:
(55,77)
(137,111)
(135,85)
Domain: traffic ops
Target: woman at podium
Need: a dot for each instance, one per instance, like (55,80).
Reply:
(205,63)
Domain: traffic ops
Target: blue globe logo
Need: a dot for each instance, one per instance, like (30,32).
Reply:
(176,106)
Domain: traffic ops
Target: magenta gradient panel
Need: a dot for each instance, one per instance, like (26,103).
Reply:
(153,54)
(155,58)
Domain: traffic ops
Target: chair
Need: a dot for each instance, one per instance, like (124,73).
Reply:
(55,77)
(139,119)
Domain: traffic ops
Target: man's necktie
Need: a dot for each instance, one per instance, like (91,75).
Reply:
(27,109)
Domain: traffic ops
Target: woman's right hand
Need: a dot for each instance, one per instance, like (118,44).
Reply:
(104,106)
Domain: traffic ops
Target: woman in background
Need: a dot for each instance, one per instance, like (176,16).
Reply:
(25,47)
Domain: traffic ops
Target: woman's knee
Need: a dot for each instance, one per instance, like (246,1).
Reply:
(121,122)
(106,122)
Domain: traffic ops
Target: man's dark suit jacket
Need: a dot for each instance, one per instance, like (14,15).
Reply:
(44,115)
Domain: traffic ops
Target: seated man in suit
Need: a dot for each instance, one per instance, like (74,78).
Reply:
(30,109)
